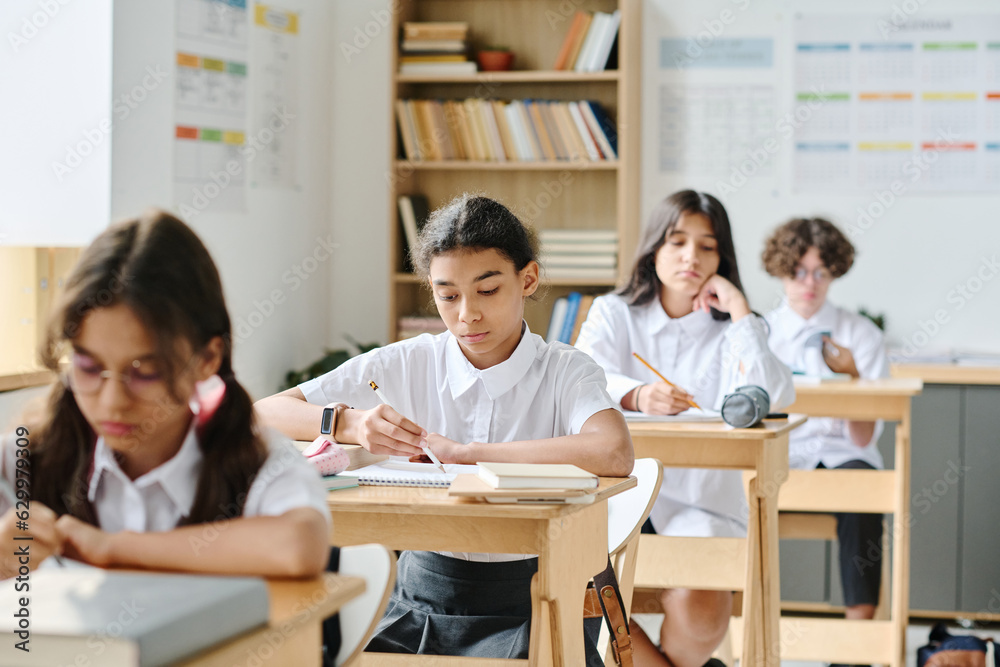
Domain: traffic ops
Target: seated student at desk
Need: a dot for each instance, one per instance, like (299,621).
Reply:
(485,390)
(810,334)
(129,456)
(683,310)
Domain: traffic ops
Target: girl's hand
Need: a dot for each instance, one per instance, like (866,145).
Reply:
(719,293)
(839,358)
(42,530)
(447,450)
(382,430)
(662,399)
(84,542)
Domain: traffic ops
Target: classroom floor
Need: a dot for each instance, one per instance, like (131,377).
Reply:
(916,636)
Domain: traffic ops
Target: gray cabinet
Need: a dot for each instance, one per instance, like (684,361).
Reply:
(954,509)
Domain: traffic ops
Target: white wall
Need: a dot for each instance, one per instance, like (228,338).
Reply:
(258,250)
(909,261)
(359,206)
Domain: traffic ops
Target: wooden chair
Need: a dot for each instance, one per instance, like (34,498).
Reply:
(358,618)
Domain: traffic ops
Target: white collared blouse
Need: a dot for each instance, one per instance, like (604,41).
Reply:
(823,439)
(543,390)
(703,356)
(158,500)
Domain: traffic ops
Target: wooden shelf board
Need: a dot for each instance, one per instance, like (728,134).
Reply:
(518,165)
(522,76)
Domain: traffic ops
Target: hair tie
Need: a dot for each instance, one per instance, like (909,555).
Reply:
(208,394)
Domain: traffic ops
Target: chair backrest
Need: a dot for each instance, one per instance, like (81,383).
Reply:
(358,618)
(629,510)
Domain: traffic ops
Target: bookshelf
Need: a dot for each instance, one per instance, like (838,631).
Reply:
(548,194)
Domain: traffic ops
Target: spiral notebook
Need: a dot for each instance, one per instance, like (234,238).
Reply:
(406,473)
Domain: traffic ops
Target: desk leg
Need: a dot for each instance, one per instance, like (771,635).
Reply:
(574,549)
(900,607)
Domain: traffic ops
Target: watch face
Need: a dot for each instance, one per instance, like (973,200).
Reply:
(327,422)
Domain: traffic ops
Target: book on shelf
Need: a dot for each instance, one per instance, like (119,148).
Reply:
(135,618)
(413,46)
(594,260)
(555,247)
(566,59)
(498,131)
(436,69)
(578,236)
(572,306)
(586,301)
(536,476)
(608,275)
(435,30)
(559,307)
(432,58)
(413,213)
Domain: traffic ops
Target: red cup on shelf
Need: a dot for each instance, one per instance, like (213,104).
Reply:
(494,61)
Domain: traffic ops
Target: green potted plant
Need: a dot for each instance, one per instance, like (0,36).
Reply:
(330,360)
(495,59)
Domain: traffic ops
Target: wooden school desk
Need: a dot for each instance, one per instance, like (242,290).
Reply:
(571,541)
(293,635)
(750,565)
(886,491)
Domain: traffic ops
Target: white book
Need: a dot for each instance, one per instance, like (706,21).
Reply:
(529,128)
(432,69)
(493,131)
(578,273)
(581,126)
(607,39)
(578,235)
(595,129)
(559,309)
(516,131)
(536,476)
(559,247)
(584,261)
(409,220)
(590,42)
(423,45)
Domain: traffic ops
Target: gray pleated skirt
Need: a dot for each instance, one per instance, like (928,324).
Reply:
(447,606)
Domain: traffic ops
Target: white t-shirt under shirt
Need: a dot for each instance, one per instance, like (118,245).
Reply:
(158,500)
(541,391)
(703,356)
(823,439)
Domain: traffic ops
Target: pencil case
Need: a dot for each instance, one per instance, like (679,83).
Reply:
(327,456)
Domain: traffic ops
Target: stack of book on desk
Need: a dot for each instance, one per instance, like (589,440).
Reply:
(527,483)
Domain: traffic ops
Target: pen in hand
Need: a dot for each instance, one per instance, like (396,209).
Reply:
(8,493)
(659,375)
(427,450)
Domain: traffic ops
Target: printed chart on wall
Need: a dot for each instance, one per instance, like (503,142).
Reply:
(717,106)
(210,114)
(275,104)
(900,105)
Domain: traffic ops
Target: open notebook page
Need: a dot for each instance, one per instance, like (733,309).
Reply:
(406,473)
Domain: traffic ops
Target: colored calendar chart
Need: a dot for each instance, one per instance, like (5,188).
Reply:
(915,106)
(202,152)
(211,84)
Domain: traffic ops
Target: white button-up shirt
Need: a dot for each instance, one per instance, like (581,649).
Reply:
(826,440)
(541,391)
(703,356)
(158,500)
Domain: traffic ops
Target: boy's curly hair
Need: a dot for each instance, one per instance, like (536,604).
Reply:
(789,243)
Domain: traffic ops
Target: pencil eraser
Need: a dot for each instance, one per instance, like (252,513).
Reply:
(327,457)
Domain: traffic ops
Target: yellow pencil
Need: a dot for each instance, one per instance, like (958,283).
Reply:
(660,375)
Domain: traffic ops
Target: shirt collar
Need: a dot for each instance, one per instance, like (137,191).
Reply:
(694,324)
(498,379)
(825,318)
(178,476)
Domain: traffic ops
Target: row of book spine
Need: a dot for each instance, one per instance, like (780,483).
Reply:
(589,41)
(568,314)
(494,130)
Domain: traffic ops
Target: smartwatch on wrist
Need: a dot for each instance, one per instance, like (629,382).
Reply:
(331,415)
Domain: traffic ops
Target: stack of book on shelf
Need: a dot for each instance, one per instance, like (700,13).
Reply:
(435,48)
(590,254)
(493,130)
(568,315)
(410,326)
(590,43)
(413,213)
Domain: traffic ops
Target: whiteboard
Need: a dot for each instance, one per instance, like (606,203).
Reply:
(927,261)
